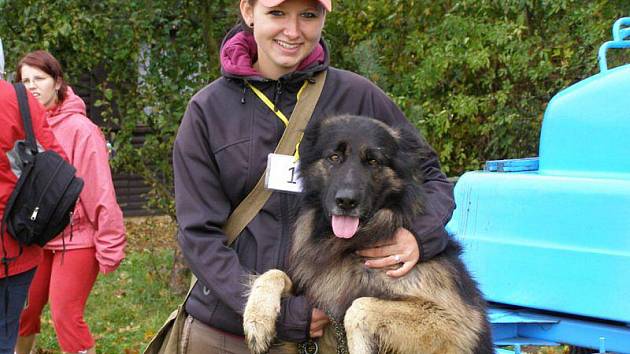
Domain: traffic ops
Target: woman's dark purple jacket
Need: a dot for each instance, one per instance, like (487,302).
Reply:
(219,154)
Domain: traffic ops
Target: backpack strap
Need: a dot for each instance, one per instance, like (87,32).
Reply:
(20,90)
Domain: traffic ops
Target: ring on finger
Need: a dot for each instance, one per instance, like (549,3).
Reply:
(397,258)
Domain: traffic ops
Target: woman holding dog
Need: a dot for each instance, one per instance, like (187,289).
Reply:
(221,151)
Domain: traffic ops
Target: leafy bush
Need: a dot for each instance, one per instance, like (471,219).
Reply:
(473,75)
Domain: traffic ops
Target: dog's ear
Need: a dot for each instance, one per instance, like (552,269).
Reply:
(413,154)
(311,132)
(308,144)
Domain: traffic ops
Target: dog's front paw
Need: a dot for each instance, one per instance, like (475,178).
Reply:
(262,309)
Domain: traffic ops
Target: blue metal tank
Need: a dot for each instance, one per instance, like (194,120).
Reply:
(553,233)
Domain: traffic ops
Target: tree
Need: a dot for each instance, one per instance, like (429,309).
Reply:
(475,75)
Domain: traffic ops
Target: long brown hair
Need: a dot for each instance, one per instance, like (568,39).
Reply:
(45,62)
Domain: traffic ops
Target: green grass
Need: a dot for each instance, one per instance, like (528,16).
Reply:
(126,307)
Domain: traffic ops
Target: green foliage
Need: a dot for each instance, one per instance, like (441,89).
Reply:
(147,56)
(473,75)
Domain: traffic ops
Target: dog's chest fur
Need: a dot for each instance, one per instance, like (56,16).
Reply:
(331,276)
(334,288)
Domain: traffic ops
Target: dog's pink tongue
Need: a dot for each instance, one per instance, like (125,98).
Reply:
(345,226)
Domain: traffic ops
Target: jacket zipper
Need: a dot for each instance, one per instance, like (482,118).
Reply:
(284,234)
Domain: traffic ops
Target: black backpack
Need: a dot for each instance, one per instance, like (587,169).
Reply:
(45,194)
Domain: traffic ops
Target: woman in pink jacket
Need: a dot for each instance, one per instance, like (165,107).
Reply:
(95,240)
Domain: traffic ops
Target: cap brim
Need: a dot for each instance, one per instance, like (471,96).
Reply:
(271,3)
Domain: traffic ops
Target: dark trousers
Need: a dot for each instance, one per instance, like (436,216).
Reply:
(14,290)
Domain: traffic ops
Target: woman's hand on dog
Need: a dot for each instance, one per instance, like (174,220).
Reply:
(319,320)
(403,249)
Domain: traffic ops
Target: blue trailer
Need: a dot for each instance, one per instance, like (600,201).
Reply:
(548,238)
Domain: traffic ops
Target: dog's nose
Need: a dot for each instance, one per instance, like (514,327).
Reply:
(346,199)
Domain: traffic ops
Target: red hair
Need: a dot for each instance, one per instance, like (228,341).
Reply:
(45,62)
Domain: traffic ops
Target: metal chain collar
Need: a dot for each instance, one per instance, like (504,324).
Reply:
(340,335)
(311,347)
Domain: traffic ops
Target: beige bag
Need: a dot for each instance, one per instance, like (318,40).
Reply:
(168,338)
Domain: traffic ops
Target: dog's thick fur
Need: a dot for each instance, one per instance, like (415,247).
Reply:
(359,167)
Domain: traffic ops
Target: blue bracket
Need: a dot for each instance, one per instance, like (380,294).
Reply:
(512,165)
(620,36)
(523,327)
(503,351)
(603,64)
(618,33)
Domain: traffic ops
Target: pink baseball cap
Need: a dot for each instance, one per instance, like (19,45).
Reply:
(271,3)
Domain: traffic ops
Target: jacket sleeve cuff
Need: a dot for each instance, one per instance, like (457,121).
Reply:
(295,319)
(432,244)
(106,269)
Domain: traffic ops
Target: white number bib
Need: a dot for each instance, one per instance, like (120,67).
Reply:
(282,173)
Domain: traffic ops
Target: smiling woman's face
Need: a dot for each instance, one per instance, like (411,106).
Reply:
(41,85)
(285,34)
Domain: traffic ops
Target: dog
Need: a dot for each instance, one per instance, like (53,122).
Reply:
(362,180)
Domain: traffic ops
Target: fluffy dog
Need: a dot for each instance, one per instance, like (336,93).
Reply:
(362,181)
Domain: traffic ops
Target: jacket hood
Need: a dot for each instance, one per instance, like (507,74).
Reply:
(239,52)
(73,104)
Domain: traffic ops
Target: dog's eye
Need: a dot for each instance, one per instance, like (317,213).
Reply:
(334,157)
(372,162)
